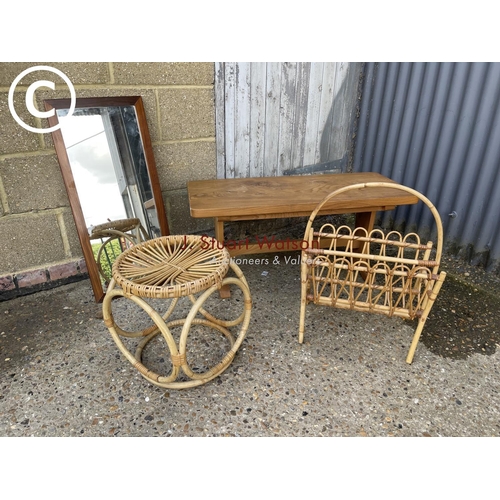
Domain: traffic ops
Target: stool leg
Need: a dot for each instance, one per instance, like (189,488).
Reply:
(218,324)
(423,319)
(303,295)
(161,328)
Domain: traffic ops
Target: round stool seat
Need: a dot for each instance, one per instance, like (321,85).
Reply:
(170,266)
(122,225)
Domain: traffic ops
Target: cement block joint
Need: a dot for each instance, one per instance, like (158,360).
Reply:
(167,73)
(33,183)
(186,113)
(13,137)
(185,161)
(29,241)
(180,221)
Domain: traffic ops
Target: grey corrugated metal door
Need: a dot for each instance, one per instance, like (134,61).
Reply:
(436,127)
(284,118)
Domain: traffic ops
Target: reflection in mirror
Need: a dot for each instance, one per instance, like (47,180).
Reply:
(108,168)
(108,164)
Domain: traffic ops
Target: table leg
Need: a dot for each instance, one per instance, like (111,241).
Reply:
(224,292)
(219,229)
(365,220)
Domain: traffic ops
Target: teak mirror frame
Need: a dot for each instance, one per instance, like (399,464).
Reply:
(69,180)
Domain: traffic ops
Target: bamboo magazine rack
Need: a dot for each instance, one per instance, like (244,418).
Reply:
(370,271)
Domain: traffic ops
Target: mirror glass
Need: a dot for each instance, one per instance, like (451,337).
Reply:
(109,167)
(107,162)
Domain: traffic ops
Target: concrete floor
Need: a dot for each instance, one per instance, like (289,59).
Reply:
(62,375)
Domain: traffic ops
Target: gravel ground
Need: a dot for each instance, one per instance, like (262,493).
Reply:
(62,375)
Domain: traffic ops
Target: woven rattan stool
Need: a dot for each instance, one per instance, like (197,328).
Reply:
(172,267)
(128,231)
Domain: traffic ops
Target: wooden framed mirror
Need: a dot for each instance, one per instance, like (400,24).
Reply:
(107,164)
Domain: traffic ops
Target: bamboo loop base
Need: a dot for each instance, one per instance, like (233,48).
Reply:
(390,274)
(169,268)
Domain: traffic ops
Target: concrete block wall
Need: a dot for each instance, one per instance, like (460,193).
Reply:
(39,245)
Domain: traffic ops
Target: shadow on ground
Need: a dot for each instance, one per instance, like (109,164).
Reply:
(464,320)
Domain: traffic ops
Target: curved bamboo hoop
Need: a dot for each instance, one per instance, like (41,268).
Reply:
(398,295)
(212,318)
(228,358)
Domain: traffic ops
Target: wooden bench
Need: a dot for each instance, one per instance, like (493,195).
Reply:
(288,196)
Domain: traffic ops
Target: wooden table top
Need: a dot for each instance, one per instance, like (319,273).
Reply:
(265,196)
